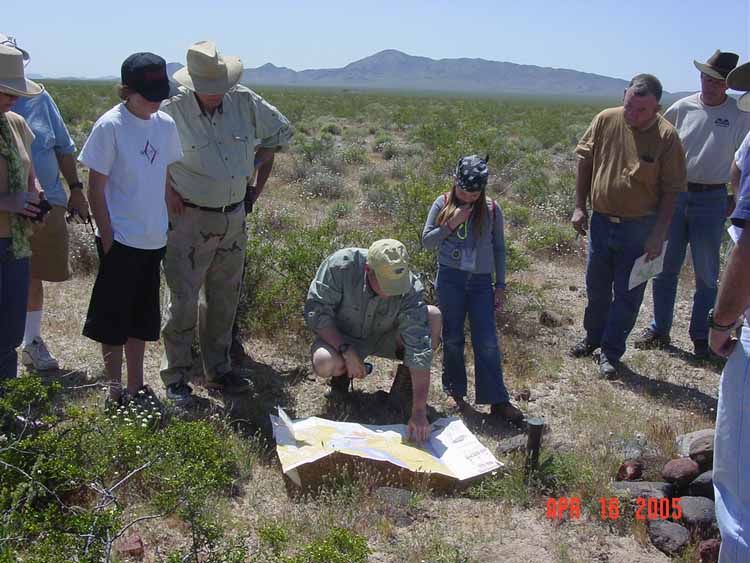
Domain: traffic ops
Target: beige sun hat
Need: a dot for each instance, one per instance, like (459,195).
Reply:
(388,259)
(208,71)
(12,79)
(739,79)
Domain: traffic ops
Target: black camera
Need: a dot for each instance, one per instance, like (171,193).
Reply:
(44,208)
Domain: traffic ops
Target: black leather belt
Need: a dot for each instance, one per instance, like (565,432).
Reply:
(694,187)
(224,209)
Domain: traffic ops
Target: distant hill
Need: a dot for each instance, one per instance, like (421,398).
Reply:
(394,70)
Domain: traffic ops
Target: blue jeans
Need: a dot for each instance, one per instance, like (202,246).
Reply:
(698,220)
(14,294)
(612,309)
(460,293)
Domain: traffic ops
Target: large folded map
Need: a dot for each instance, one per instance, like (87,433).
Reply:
(453,453)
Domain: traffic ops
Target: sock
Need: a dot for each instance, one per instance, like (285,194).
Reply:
(33,327)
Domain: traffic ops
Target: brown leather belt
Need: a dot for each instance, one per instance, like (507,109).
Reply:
(224,209)
(694,187)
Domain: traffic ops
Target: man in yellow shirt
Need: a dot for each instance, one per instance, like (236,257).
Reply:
(631,166)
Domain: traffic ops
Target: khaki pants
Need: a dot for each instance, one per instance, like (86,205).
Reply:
(203,268)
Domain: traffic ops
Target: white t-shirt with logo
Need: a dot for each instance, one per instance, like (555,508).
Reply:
(134,154)
(710,136)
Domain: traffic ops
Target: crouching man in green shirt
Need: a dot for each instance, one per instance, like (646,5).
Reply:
(367,302)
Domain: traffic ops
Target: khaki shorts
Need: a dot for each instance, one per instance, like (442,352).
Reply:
(49,248)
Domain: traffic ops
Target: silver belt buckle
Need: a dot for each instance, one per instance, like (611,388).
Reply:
(613,219)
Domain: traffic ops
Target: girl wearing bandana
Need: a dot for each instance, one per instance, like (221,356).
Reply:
(467,229)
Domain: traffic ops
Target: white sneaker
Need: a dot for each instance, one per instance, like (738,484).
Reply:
(37,356)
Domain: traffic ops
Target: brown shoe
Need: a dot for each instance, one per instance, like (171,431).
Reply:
(455,403)
(649,339)
(230,382)
(507,411)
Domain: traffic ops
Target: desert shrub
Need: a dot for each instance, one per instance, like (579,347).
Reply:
(390,150)
(331,128)
(339,545)
(398,169)
(381,139)
(340,210)
(315,148)
(371,177)
(550,237)
(323,183)
(354,154)
(515,259)
(64,488)
(516,215)
(295,169)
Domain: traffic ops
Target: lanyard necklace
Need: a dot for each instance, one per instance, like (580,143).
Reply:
(461,232)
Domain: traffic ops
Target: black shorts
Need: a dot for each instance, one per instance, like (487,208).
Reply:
(125,299)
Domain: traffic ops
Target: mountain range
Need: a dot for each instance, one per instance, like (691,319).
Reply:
(395,70)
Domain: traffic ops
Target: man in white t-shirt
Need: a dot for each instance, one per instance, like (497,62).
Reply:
(711,128)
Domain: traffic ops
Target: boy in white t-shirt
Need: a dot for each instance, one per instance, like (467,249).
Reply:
(128,152)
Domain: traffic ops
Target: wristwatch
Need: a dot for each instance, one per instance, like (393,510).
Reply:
(720,328)
(343,347)
(76,186)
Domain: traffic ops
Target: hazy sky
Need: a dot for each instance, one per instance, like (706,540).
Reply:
(616,38)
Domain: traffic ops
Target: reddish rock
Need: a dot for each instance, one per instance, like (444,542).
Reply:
(680,471)
(709,551)
(132,546)
(702,452)
(630,470)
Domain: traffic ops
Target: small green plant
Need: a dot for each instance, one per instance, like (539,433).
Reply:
(331,128)
(354,154)
(338,546)
(273,537)
(517,215)
(550,237)
(323,183)
(381,139)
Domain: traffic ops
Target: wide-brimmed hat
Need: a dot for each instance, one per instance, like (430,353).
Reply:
(10,41)
(739,79)
(718,65)
(12,78)
(208,71)
(388,260)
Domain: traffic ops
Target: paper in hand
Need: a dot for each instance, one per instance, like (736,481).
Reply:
(643,271)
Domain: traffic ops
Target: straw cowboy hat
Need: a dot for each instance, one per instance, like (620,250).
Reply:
(12,79)
(739,79)
(207,71)
(718,65)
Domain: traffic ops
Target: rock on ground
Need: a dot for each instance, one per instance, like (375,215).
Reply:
(702,485)
(643,489)
(698,515)
(702,452)
(668,537)
(680,472)
(684,441)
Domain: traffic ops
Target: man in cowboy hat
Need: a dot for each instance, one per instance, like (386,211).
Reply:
(731,468)
(218,121)
(711,128)
(52,151)
(631,166)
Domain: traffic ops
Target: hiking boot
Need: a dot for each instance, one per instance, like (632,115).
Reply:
(113,404)
(582,348)
(649,339)
(508,411)
(400,395)
(147,400)
(230,382)
(455,403)
(607,368)
(36,355)
(181,393)
(339,390)
(236,351)
(701,350)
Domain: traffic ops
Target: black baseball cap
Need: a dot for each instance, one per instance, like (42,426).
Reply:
(146,74)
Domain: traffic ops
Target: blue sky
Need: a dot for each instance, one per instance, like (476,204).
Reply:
(615,38)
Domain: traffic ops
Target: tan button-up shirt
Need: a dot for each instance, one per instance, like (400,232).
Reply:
(219,149)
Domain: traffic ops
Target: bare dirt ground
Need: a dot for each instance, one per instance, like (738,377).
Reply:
(662,393)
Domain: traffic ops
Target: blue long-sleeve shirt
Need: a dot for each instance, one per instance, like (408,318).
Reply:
(490,246)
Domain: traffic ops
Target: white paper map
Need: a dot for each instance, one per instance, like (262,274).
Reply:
(452,449)
(643,271)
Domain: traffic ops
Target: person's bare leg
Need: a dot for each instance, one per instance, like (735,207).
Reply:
(326,362)
(113,367)
(435,320)
(134,351)
(36,295)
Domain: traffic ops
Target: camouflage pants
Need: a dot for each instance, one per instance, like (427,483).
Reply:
(203,268)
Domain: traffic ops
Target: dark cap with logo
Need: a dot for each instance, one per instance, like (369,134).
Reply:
(146,74)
